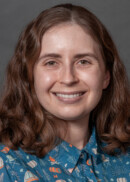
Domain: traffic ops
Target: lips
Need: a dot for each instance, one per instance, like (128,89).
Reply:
(69,97)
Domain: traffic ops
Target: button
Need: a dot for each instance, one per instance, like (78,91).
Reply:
(82,155)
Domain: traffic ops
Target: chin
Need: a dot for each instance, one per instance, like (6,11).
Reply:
(71,117)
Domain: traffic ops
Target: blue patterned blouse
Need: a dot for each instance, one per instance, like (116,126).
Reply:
(65,163)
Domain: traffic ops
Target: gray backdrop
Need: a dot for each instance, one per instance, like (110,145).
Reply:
(15,14)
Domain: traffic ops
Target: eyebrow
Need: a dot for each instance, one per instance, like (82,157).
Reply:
(77,56)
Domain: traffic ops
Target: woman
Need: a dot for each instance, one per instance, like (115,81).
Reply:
(64,114)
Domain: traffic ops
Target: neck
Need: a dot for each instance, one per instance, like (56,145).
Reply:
(78,133)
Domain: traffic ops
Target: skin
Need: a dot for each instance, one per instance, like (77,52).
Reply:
(70,62)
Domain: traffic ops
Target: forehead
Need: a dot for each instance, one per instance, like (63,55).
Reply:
(69,37)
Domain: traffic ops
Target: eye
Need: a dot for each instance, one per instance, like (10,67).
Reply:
(50,63)
(84,61)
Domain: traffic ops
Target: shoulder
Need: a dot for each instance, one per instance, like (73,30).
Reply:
(120,158)
(118,165)
(5,164)
(14,165)
(4,151)
(16,157)
(7,154)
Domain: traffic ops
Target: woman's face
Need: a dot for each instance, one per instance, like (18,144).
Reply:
(69,75)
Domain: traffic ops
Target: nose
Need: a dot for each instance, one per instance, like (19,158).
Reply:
(68,76)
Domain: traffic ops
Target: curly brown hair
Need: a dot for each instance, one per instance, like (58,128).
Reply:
(23,121)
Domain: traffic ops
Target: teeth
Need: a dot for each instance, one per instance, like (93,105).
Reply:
(69,96)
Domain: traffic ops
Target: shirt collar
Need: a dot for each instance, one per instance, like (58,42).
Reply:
(92,146)
(67,155)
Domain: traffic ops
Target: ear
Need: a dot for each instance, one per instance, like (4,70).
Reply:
(106,80)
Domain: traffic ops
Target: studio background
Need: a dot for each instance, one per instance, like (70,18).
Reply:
(16,14)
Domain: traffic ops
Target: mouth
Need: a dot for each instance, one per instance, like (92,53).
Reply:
(69,97)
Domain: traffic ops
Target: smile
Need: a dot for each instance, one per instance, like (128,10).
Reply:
(69,98)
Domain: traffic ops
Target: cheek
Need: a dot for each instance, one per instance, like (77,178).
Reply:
(93,78)
(43,80)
